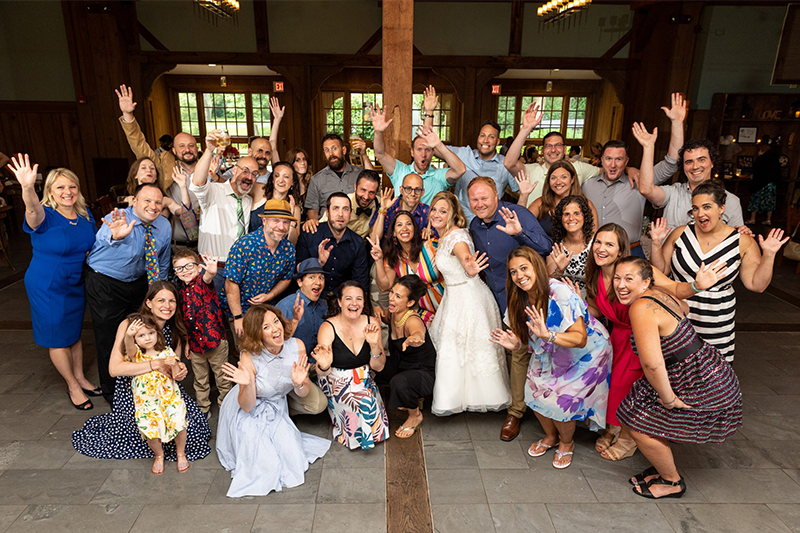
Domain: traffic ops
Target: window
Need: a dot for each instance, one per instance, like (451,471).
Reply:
(566,114)
(333,105)
(262,124)
(360,123)
(441,115)
(226,111)
(187,105)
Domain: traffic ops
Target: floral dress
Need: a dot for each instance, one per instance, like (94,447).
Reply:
(566,384)
(160,410)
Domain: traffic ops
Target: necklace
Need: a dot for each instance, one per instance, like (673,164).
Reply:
(400,323)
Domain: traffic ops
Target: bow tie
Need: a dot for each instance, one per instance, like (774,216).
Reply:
(363,211)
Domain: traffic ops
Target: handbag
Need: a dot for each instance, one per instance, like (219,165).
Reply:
(188,220)
(792,249)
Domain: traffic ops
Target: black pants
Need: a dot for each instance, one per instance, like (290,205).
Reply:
(408,386)
(110,301)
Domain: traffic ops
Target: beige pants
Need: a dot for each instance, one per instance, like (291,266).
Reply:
(518,370)
(202,365)
(312,403)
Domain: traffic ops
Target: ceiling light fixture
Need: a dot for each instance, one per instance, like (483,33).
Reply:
(556,10)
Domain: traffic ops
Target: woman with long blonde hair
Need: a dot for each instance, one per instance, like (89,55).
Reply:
(62,230)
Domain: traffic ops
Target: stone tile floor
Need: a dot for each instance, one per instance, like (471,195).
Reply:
(476,482)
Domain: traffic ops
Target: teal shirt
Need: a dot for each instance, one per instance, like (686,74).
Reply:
(434,180)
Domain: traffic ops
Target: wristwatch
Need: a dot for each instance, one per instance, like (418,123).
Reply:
(237,317)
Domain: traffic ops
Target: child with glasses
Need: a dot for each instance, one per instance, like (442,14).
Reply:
(205,323)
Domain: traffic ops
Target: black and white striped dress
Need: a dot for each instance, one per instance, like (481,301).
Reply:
(711,312)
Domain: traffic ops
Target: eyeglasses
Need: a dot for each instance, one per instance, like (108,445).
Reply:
(413,190)
(557,145)
(187,266)
(245,171)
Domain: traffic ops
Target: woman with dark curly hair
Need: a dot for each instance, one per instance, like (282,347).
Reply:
(282,184)
(562,181)
(573,223)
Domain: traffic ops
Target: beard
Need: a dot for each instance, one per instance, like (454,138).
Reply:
(188,158)
(336,164)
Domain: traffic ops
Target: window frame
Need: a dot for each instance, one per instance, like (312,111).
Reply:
(564,125)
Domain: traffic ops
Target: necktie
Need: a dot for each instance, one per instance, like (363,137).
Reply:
(363,210)
(150,255)
(239,216)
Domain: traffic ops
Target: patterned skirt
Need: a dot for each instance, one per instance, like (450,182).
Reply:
(764,199)
(704,381)
(356,408)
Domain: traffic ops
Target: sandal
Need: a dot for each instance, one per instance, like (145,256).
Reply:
(622,449)
(412,429)
(183,464)
(638,479)
(538,444)
(158,465)
(85,406)
(93,392)
(606,439)
(558,456)
(645,490)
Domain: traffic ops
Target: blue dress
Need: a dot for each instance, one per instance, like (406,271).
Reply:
(263,449)
(54,280)
(115,435)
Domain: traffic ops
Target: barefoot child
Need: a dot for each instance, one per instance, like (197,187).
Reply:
(204,320)
(160,410)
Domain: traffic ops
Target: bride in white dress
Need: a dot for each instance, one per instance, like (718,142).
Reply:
(471,370)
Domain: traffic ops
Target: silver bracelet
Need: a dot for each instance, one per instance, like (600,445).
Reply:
(303,384)
(374,356)
(551,336)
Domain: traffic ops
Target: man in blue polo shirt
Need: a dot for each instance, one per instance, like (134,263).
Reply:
(311,309)
(435,180)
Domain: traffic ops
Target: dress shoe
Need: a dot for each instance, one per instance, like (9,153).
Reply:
(510,428)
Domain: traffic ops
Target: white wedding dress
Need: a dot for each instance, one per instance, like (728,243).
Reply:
(471,370)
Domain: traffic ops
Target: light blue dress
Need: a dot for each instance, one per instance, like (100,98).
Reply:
(263,449)
(566,384)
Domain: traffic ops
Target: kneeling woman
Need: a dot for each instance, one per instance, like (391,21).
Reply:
(570,365)
(689,394)
(411,367)
(256,440)
(349,350)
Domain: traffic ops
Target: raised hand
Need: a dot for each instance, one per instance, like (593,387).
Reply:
(679,108)
(645,138)
(476,263)
(709,275)
(375,251)
(133,327)
(237,374)
(380,313)
(532,116)
(125,96)
(323,252)
(118,226)
(429,99)
(292,204)
(372,334)
(536,322)
(513,226)
(429,135)
(209,263)
(300,371)
(212,140)
(572,285)
(25,174)
(311,225)
(524,182)
(506,339)
(298,309)
(178,176)
(275,107)
(378,116)
(414,341)
(359,145)
(427,232)
(561,256)
(659,231)
(773,242)
(387,198)
(744,230)
(214,165)
(324,356)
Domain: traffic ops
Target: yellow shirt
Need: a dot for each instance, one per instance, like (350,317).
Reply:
(360,223)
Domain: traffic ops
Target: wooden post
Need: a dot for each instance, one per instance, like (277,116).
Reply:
(398,53)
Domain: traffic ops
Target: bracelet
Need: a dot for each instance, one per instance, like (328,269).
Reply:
(551,336)
(376,356)
(675,399)
(237,317)
(427,115)
(303,384)
(382,211)
(320,369)
(695,289)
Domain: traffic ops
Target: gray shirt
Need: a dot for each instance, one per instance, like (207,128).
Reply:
(326,182)
(678,203)
(616,202)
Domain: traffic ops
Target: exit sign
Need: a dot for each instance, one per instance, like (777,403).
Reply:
(495,89)
(277,86)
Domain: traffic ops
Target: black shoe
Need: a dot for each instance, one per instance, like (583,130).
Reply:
(645,493)
(639,478)
(85,406)
(93,392)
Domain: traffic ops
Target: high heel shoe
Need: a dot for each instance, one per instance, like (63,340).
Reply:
(93,392)
(85,406)
(645,490)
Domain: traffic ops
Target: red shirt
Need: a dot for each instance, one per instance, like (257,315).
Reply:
(203,315)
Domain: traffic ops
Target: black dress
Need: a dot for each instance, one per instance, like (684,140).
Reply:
(411,373)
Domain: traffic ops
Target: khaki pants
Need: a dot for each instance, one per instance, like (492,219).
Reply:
(202,364)
(312,403)
(518,370)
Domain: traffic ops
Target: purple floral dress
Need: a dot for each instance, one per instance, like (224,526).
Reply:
(570,383)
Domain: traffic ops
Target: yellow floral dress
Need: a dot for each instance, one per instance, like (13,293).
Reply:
(160,410)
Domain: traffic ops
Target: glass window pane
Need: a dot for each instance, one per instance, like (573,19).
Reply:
(360,123)
(333,107)
(223,112)
(441,118)
(576,117)
(187,105)
(262,118)
(506,107)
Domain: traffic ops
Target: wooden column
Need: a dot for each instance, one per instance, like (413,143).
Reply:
(398,53)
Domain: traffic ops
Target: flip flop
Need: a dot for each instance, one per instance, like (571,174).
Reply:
(538,444)
(158,471)
(558,456)
(412,429)
(183,464)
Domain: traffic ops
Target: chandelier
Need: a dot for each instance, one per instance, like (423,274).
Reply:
(555,10)
(222,8)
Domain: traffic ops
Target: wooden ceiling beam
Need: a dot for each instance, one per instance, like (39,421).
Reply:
(515,37)
(261,22)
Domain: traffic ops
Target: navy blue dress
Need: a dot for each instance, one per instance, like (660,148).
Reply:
(115,435)
(54,280)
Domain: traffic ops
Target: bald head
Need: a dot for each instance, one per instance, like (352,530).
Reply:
(412,190)
(245,172)
(185,148)
(260,150)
